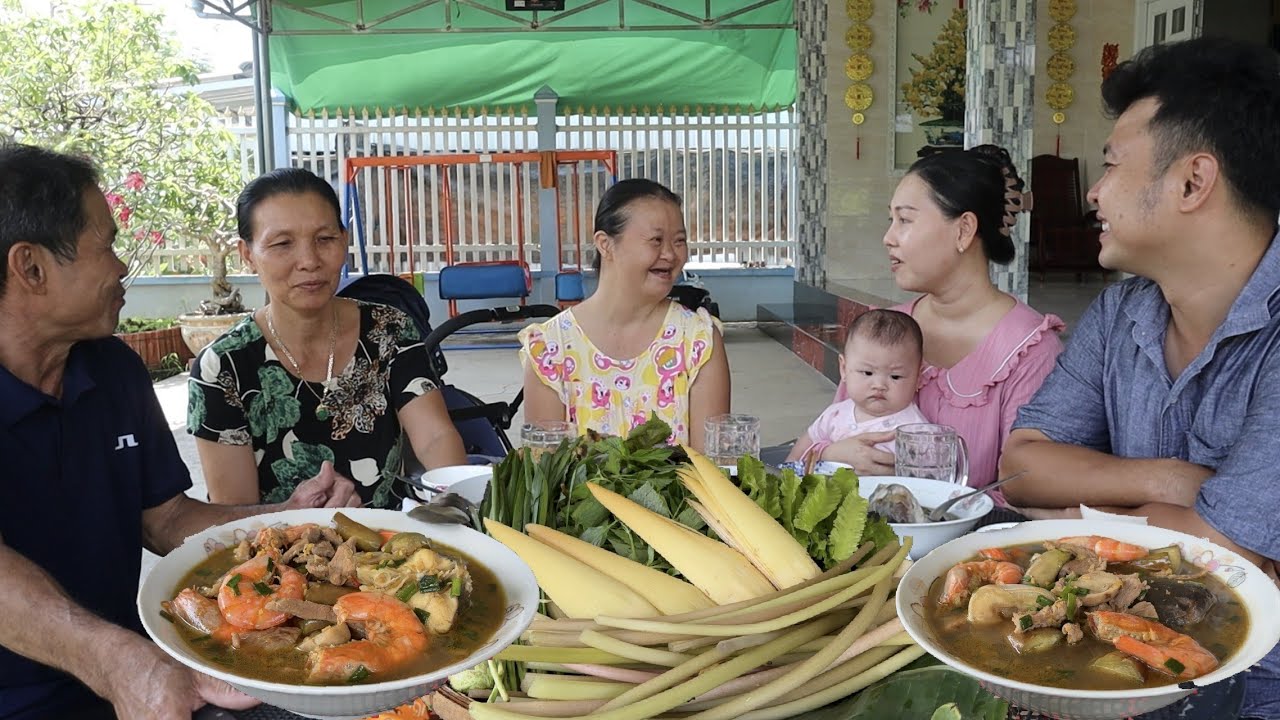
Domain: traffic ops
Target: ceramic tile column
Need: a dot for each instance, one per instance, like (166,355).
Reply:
(1001,48)
(811,141)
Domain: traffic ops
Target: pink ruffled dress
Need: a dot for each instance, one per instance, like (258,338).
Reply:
(981,394)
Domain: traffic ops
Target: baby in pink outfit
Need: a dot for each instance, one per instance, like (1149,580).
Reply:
(880,368)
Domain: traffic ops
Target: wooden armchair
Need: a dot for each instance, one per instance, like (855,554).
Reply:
(1063,236)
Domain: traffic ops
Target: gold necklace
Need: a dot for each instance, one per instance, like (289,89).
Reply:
(322,412)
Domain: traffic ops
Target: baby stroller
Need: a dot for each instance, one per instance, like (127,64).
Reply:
(482,425)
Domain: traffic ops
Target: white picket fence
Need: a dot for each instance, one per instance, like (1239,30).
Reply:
(734,168)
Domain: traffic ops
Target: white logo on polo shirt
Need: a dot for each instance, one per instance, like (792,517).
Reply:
(126,441)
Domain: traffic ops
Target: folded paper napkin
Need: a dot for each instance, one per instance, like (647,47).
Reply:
(1088,513)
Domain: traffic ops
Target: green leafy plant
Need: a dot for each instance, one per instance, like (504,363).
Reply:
(101,79)
(936,88)
(137,325)
(170,365)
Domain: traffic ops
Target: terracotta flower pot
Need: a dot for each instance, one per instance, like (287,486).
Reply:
(153,346)
(199,330)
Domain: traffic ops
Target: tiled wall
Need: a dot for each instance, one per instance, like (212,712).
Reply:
(811,144)
(1002,53)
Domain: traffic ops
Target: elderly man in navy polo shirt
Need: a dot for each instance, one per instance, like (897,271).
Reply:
(91,472)
(1166,403)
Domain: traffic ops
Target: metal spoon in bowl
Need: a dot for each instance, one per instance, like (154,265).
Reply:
(940,512)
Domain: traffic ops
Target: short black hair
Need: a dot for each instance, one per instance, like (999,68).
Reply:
(887,327)
(981,180)
(293,181)
(1215,95)
(41,201)
(612,215)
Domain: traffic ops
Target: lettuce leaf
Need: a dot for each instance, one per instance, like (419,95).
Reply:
(847,530)
(820,500)
(878,531)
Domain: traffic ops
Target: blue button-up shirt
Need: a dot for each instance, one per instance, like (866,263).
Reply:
(1111,391)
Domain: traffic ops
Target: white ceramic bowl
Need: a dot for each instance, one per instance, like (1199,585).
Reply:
(1259,595)
(451,476)
(351,701)
(930,494)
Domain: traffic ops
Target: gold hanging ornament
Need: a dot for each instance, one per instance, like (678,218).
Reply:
(1061,37)
(859,96)
(1062,10)
(1059,118)
(1060,96)
(858,10)
(859,66)
(858,37)
(1060,67)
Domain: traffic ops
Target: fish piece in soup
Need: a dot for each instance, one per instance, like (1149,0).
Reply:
(1161,649)
(1179,603)
(895,503)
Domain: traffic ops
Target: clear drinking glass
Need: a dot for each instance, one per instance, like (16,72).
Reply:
(544,436)
(729,437)
(937,452)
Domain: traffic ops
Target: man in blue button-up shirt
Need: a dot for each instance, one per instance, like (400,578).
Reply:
(1166,402)
(91,473)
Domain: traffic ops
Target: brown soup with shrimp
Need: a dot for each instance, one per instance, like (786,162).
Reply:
(313,605)
(1086,613)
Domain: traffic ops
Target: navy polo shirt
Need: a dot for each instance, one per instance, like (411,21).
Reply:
(77,474)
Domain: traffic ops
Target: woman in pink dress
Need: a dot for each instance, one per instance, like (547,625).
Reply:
(985,352)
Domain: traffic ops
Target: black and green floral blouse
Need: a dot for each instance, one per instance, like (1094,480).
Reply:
(241,394)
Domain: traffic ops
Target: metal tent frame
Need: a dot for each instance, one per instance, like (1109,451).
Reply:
(257,15)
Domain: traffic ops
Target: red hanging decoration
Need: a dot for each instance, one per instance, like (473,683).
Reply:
(1110,55)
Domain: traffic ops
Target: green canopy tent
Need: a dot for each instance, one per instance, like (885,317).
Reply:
(397,54)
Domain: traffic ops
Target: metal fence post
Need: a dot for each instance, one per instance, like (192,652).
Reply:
(548,219)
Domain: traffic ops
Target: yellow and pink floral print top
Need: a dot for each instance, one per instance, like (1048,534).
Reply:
(613,396)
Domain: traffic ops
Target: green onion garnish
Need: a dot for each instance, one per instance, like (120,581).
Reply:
(271,566)
(1174,666)
(1071,606)
(423,615)
(406,592)
(234,584)
(1043,601)
(455,590)
(1024,622)
(263,588)
(361,673)
(428,584)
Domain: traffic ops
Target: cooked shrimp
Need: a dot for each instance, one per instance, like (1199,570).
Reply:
(964,578)
(244,601)
(1013,555)
(200,614)
(1164,650)
(1106,548)
(393,636)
